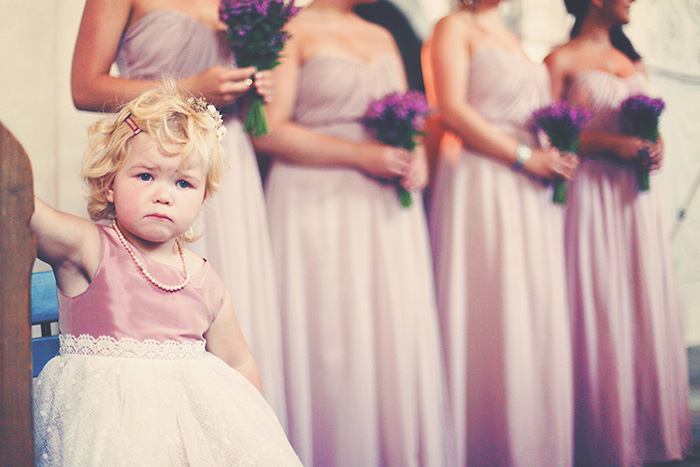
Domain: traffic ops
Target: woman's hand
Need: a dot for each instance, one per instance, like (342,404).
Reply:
(551,164)
(386,161)
(639,151)
(656,154)
(264,85)
(221,86)
(417,176)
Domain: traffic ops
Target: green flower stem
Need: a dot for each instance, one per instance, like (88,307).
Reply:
(560,191)
(643,179)
(255,123)
(404,195)
(409,144)
(560,194)
(643,172)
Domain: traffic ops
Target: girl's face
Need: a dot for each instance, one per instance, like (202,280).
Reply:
(155,199)
(618,11)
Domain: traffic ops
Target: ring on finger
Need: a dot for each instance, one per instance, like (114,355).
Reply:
(248,82)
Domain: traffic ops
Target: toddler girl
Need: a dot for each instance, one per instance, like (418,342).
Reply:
(152,368)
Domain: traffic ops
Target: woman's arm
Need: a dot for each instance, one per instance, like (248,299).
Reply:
(225,340)
(294,143)
(561,64)
(626,148)
(70,244)
(450,61)
(101,29)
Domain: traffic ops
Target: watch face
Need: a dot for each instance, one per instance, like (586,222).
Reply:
(522,154)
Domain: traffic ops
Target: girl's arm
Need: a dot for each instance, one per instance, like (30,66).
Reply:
(225,340)
(101,29)
(450,61)
(294,143)
(69,244)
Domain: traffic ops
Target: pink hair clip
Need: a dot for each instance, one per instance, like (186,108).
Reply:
(132,124)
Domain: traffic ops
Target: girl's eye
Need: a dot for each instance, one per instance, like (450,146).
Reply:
(145,177)
(183,184)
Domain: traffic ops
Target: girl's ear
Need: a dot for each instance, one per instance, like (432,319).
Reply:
(110,193)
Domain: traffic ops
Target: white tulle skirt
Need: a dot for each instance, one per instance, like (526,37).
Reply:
(106,402)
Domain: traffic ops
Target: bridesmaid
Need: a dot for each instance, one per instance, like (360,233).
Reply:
(362,360)
(498,247)
(150,39)
(631,399)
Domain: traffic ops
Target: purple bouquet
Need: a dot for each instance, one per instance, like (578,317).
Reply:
(562,124)
(256,36)
(396,120)
(639,116)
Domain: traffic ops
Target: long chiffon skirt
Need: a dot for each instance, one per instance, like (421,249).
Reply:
(363,370)
(499,267)
(631,375)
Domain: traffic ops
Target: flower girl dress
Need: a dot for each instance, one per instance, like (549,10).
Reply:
(133,383)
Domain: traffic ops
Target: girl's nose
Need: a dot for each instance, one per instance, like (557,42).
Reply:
(162,195)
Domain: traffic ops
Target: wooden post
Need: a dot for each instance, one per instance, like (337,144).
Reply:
(17,253)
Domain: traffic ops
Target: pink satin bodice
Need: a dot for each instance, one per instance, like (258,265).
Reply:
(121,303)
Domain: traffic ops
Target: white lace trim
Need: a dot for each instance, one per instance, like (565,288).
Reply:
(126,347)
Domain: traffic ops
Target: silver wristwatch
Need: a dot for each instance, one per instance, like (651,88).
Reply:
(523,153)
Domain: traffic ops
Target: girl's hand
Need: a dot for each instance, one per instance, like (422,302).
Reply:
(221,86)
(417,176)
(551,164)
(386,161)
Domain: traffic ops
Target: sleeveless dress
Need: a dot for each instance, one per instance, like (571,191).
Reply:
(499,268)
(631,376)
(134,385)
(362,362)
(236,237)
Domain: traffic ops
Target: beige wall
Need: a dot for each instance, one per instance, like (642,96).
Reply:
(36,44)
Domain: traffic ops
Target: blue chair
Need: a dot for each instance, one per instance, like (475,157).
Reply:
(44,312)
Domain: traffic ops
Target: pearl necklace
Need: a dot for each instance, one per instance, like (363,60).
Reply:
(142,268)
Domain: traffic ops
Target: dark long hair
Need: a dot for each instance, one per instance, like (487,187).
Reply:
(579,9)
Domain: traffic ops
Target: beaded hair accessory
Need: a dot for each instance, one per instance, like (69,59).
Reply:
(200,105)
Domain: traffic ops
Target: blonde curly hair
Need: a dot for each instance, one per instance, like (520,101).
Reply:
(173,120)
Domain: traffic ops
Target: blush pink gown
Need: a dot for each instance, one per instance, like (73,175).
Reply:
(362,358)
(499,268)
(631,374)
(134,385)
(236,236)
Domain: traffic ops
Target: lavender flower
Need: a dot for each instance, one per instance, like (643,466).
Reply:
(256,36)
(639,116)
(562,124)
(397,119)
